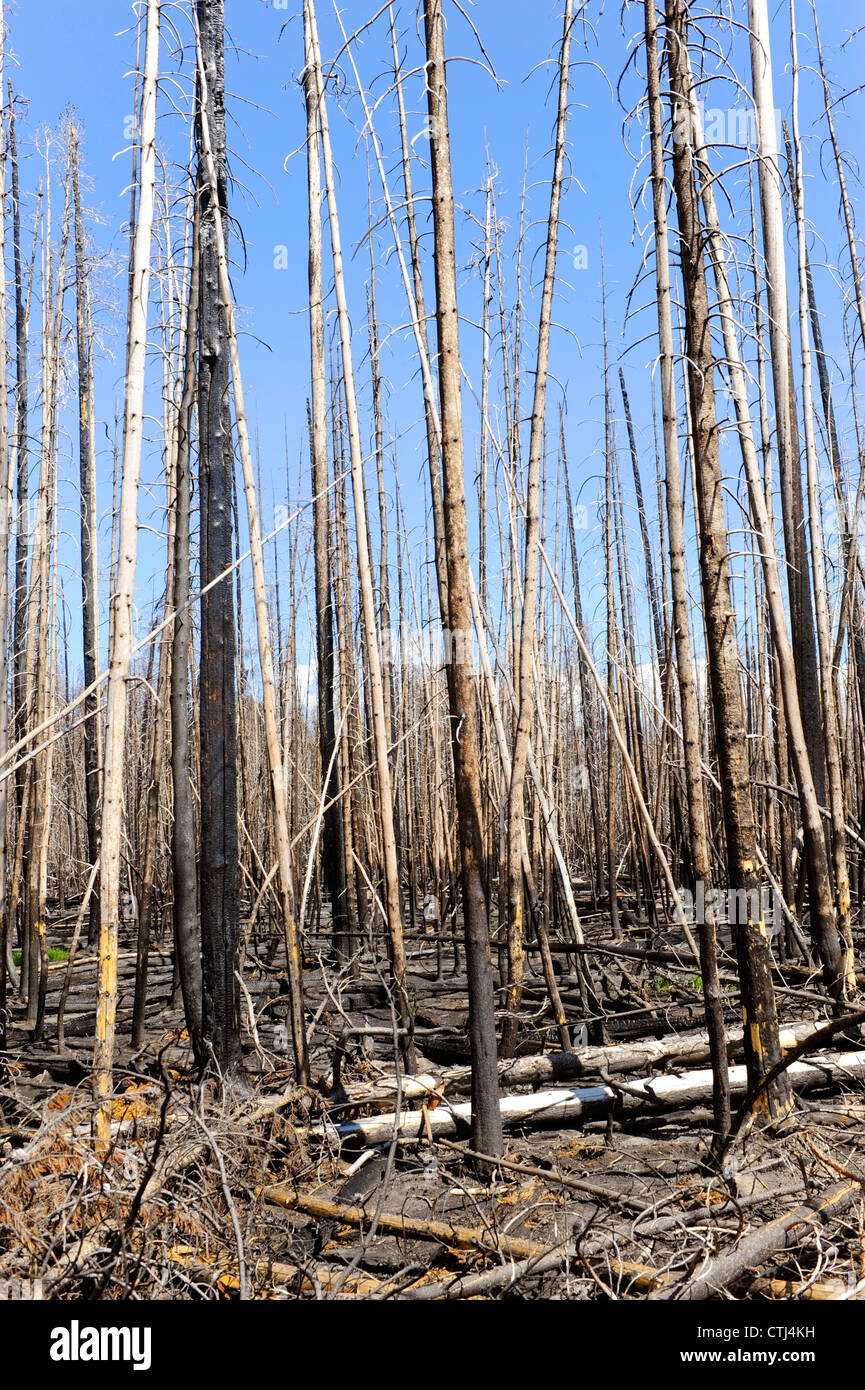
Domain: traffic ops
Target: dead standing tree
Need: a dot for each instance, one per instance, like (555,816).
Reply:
(486,1116)
(823,927)
(524,682)
(184,878)
(792,511)
(372,654)
(218,864)
(121,628)
(762,1048)
(89,569)
(274,751)
(698,840)
(5,525)
(332,832)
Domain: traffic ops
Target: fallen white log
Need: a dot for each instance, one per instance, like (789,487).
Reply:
(587,1102)
(683,1049)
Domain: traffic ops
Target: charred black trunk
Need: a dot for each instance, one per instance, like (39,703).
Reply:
(218,864)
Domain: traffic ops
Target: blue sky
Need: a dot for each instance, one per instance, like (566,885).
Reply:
(82,55)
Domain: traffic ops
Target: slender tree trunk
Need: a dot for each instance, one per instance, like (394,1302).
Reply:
(762,1047)
(525,684)
(5,525)
(89,533)
(823,927)
(486,1116)
(699,846)
(121,628)
(829,702)
(333,837)
(218,864)
(392,903)
(769,180)
(183,850)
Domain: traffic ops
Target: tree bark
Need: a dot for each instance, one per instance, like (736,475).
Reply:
(486,1116)
(218,864)
(183,849)
(752,947)
(699,845)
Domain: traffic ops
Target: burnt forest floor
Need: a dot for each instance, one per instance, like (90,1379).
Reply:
(254,1188)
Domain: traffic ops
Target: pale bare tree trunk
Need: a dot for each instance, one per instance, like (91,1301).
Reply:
(824,637)
(333,836)
(392,903)
(89,535)
(22,455)
(42,613)
(769,181)
(525,684)
(612,642)
(5,526)
(121,628)
(822,919)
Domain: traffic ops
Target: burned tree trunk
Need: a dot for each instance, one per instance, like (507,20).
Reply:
(698,840)
(762,1048)
(22,468)
(486,1116)
(218,865)
(384,786)
(823,928)
(184,878)
(5,522)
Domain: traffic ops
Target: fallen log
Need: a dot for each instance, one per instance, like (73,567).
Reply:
(444,1232)
(474,1285)
(639,1276)
(587,1102)
(275,1274)
(337,1281)
(782,1234)
(485,1241)
(681,1049)
(834,1292)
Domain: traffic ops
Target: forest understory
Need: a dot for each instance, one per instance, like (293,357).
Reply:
(365,1185)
